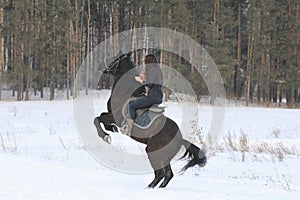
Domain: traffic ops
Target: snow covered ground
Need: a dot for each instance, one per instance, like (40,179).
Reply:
(43,157)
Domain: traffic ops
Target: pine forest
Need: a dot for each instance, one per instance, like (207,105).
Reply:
(254,43)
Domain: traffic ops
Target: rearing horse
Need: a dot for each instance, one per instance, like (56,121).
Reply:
(162,138)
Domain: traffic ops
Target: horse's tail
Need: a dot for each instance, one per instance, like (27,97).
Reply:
(196,155)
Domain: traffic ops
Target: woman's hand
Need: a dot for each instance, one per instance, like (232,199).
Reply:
(143,77)
(138,79)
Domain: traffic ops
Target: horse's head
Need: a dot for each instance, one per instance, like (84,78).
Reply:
(124,86)
(124,66)
(120,65)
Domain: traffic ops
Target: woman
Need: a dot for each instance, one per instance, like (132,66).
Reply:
(152,80)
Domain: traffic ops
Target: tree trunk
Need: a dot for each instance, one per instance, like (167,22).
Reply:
(88,48)
(77,54)
(216,27)
(31,54)
(1,61)
(249,63)
(44,60)
(53,62)
(238,68)
(262,61)
(17,54)
(70,50)
(268,82)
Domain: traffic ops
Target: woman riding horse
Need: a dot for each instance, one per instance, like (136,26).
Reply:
(152,80)
(163,138)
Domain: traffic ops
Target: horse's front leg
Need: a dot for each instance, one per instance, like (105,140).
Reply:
(104,118)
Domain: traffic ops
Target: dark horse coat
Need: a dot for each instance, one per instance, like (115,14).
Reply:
(163,138)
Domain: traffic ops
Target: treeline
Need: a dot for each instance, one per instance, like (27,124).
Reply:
(255,43)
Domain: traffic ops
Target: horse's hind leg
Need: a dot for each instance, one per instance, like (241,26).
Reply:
(156,163)
(162,169)
(168,174)
(165,173)
(159,174)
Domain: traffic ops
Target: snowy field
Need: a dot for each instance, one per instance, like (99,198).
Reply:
(43,157)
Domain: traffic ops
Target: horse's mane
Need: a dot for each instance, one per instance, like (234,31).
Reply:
(124,85)
(125,65)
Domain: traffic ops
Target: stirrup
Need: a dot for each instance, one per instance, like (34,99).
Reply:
(124,129)
(157,108)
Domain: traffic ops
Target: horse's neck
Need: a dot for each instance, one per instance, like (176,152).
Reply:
(117,78)
(118,94)
(121,92)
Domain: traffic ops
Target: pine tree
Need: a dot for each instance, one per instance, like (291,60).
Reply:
(1,55)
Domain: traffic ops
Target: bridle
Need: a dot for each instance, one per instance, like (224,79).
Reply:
(114,66)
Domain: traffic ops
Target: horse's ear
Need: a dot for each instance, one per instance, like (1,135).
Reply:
(129,53)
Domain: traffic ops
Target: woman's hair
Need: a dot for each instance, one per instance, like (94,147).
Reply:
(150,58)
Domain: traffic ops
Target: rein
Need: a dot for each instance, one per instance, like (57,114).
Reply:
(115,64)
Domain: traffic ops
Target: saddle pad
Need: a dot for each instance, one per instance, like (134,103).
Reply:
(146,118)
(157,109)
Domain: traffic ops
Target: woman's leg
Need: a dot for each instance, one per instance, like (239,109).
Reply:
(142,102)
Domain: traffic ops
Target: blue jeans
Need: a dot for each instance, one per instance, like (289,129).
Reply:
(142,102)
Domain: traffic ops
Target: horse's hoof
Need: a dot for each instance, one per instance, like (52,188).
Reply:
(115,129)
(107,139)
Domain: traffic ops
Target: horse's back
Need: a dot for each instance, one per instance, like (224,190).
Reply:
(168,140)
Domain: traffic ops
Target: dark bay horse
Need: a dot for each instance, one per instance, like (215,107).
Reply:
(162,138)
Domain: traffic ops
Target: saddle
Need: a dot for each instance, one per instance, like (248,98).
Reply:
(145,116)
